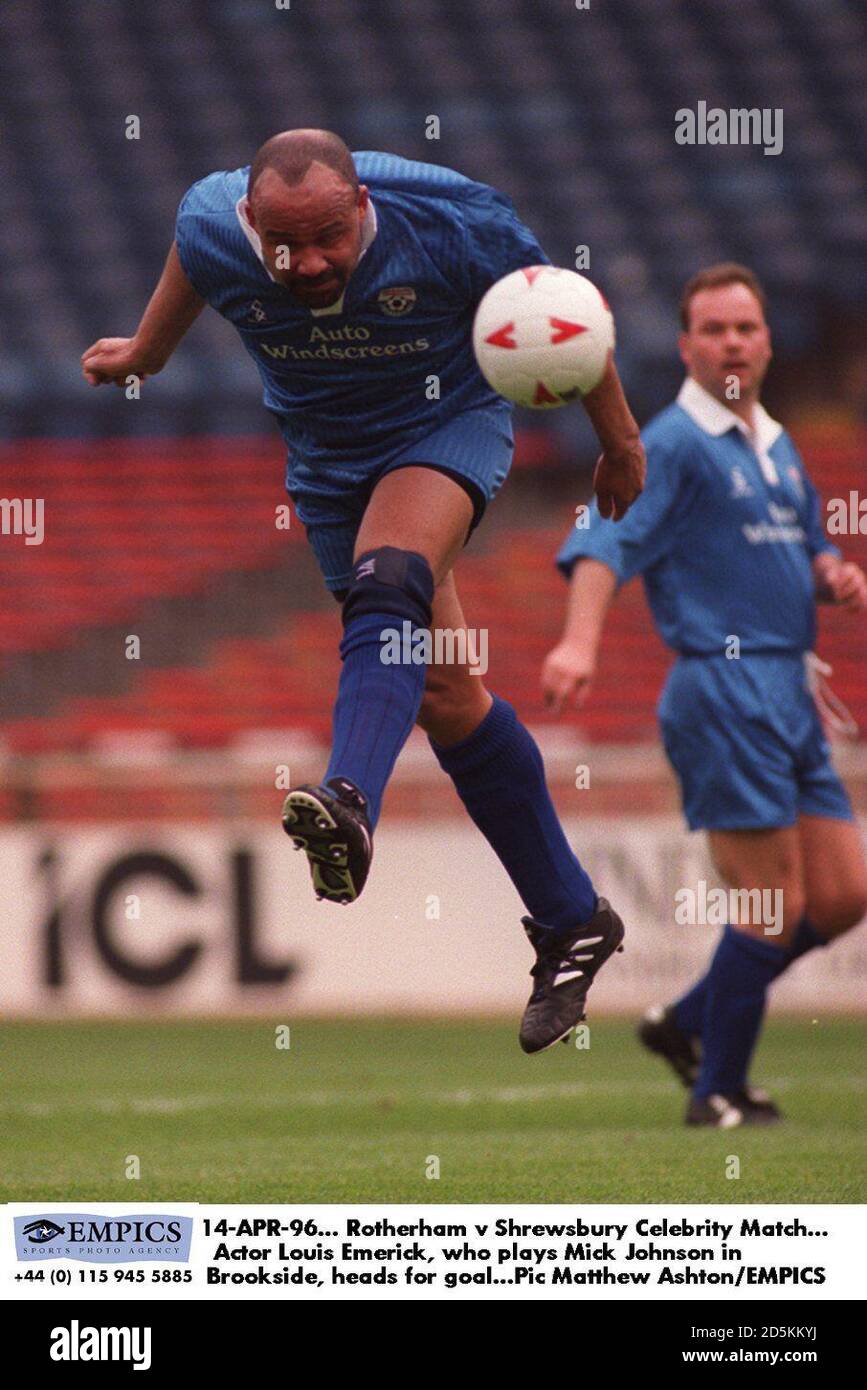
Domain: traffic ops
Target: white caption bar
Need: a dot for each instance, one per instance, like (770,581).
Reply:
(719,1252)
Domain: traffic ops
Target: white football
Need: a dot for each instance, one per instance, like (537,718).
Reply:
(542,336)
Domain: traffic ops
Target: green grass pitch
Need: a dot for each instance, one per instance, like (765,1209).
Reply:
(353,1110)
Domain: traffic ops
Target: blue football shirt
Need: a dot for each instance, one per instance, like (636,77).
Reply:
(724,533)
(353,383)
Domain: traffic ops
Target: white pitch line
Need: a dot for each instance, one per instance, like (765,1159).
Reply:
(498,1095)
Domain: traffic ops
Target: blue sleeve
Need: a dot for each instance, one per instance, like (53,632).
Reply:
(207,232)
(497,241)
(185,237)
(590,538)
(647,532)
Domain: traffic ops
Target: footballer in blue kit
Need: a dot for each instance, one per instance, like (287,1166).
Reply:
(729,540)
(392,353)
(352,281)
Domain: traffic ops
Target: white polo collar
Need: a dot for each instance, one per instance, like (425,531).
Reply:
(716,419)
(368,232)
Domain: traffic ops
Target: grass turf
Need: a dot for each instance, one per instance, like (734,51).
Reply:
(354,1109)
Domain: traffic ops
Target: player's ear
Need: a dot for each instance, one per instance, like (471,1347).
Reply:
(683,348)
(363,199)
(248,212)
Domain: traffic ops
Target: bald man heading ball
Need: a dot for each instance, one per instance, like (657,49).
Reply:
(352,280)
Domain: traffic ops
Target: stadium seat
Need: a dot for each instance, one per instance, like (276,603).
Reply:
(254,73)
(282,676)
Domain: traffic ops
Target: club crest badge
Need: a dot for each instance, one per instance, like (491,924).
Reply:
(397,300)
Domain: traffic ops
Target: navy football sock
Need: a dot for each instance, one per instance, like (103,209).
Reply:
(805,939)
(689,1010)
(737,982)
(377,706)
(499,775)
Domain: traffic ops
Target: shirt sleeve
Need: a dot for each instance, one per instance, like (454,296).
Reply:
(647,532)
(497,240)
(186,239)
(204,230)
(590,538)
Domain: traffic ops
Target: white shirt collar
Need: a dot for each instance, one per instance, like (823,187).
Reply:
(368,232)
(716,419)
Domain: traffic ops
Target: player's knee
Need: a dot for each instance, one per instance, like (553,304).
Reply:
(794,905)
(452,704)
(741,869)
(779,882)
(838,909)
(389,580)
(770,914)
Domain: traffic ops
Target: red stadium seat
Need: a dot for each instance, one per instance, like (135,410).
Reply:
(202,510)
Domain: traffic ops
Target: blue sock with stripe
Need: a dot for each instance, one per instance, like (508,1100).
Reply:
(377,706)
(500,777)
(689,1010)
(378,700)
(737,983)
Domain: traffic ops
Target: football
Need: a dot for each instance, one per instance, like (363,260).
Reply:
(542,336)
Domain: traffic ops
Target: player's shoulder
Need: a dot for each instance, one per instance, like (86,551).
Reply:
(671,432)
(216,194)
(676,456)
(415,181)
(785,444)
(394,173)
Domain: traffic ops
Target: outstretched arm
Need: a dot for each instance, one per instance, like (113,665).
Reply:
(174,306)
(621,470)
(570,667)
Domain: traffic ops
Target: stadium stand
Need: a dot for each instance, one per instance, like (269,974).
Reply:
(135,527)
(517,100)
(162,510)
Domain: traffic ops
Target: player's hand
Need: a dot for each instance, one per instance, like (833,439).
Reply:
(116,359)
(619,479)
(847,586)
(567,671)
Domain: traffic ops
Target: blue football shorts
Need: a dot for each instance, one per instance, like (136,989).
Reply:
(475,448)
(747,743)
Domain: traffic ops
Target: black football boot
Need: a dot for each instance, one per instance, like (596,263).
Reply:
(330,824)
(566,966)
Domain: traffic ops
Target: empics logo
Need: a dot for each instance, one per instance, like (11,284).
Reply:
(41,1232)
(103,1239)
(77,1343)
